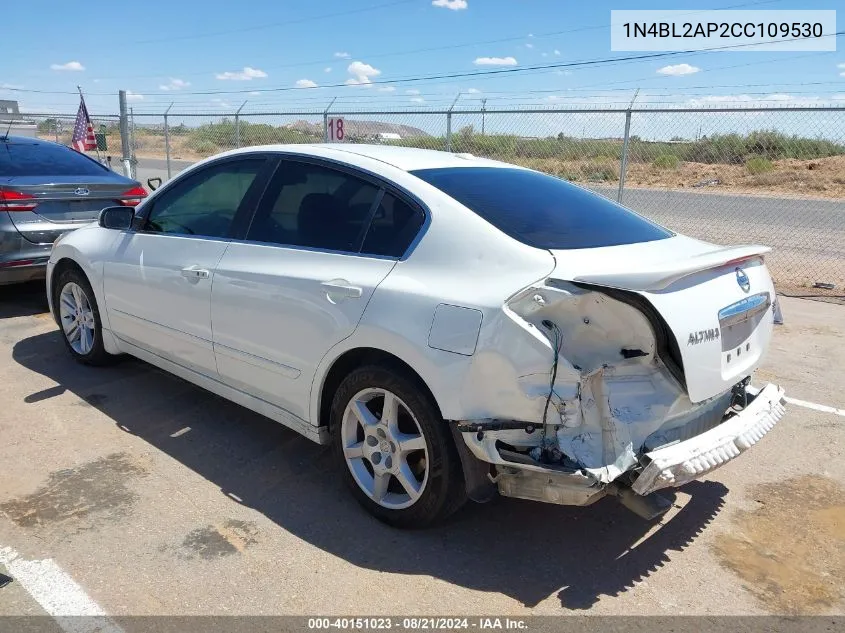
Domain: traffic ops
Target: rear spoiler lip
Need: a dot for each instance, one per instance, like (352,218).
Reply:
(656,278)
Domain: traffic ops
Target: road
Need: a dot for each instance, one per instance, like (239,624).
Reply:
(152,496)
(807,235)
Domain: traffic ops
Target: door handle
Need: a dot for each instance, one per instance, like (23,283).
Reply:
(341,288)
(192,272)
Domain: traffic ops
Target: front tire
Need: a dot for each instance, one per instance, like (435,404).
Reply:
(394,450)
(79,318)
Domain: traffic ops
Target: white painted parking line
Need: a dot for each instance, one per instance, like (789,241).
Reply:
(58,594)
(816,407)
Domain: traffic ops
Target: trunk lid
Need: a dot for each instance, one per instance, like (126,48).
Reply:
(63,203)
(715,300)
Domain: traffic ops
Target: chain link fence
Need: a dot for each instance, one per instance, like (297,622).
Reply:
(774,176)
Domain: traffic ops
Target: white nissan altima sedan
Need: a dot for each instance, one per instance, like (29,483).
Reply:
(453,326)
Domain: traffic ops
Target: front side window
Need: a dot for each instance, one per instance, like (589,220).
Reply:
(205,203)
(541,210)
(314,206)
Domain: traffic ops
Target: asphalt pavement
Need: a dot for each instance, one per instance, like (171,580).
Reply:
(127,491)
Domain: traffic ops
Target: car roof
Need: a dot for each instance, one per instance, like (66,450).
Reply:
(30,140)
(404,158)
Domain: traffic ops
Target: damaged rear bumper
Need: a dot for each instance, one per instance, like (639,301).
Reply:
(670,465)
(677,464)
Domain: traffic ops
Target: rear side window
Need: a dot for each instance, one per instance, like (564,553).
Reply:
(20,158)
(314,206)
(541,210)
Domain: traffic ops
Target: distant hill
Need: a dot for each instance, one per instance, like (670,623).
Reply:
(360,128)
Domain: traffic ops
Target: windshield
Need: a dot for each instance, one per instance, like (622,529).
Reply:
(541,210)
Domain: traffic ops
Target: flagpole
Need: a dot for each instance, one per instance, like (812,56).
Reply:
(96,145)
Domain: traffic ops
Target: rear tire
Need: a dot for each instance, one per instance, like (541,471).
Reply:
(394,450)
(79,318)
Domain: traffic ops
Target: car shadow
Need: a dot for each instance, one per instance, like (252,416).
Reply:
(17,300)
(528,551)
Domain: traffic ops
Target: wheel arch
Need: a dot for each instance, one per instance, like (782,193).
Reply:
(356,357)
(64,264)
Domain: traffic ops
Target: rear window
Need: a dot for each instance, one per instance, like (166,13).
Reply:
(45,159)
(541,210)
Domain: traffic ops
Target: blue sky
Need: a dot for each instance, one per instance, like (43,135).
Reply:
(162,51)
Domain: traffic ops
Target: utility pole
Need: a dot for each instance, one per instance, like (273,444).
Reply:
(124,135)
(483,112)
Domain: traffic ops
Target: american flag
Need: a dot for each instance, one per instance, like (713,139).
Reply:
(83,131)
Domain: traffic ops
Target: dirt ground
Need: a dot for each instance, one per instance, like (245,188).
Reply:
(817,178)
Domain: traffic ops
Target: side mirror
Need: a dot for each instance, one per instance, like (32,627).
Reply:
(152,186)
(119,218)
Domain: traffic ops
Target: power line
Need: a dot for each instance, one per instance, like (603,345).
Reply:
(482,73)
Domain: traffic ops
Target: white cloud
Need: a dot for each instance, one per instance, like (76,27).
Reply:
(10,86)
(557,52)
(839,97)
(362,74)
(678,69)
(387,89)
(412,91)
(530,35)
(842,65)
(529,46)
(417,100)
(327,69)
(474,91)
(842,74)
(454,5)
(306,83)
(175,84)
(495,61)
(247,74)
(75,66)
(544,54)
(134,96)
(255,93)
(342,55)
(792,100)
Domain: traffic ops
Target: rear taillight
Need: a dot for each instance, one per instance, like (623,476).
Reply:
(133,197)
(16,201)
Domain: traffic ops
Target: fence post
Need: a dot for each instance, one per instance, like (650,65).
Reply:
(449,124)
(326,120)
(167,140)
(623,163)
(238,125)
(124,134)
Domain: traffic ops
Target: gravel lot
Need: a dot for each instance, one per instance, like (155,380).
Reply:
(156,497)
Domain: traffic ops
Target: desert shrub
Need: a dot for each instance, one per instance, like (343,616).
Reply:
(600,172)
(666,161)
(205,148)
(758,165)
